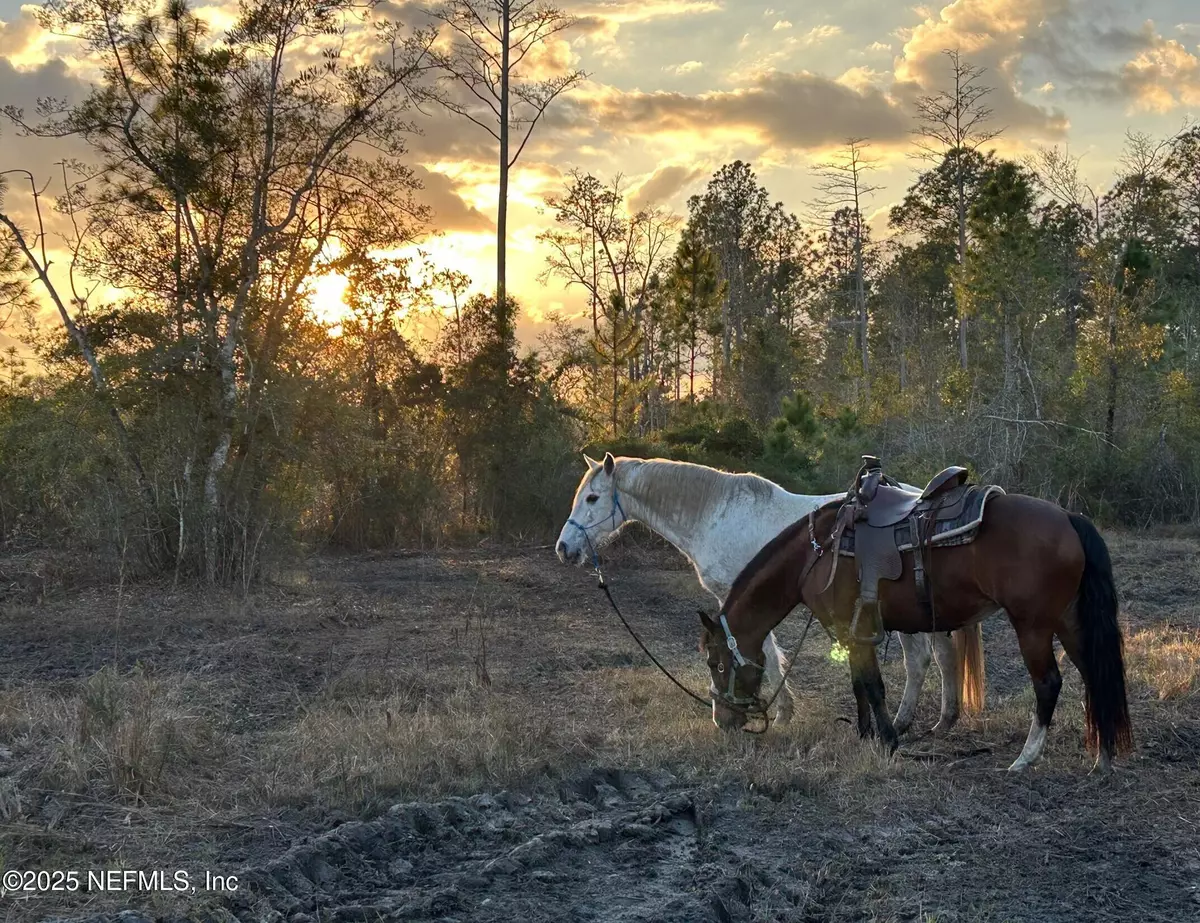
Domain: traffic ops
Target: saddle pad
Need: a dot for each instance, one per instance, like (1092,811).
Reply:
(959,530)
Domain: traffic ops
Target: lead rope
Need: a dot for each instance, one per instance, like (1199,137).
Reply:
(706,703)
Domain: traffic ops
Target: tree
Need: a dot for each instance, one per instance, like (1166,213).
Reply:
(21,251)
(953,125)
(842,184)
(616,345)
(1004,272)
(227,176)
(697,290)
(732,218)
(1141,218)
(489,44)
(598,244)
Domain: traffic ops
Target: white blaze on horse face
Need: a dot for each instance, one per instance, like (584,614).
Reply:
(594,518)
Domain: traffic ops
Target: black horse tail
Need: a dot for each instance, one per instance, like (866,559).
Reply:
(1100,646)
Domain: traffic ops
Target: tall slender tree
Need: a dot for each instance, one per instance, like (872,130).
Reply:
(697,292)
(953,125)
(842,184)
(489,66)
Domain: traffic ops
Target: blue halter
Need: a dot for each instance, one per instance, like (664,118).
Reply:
(612,519)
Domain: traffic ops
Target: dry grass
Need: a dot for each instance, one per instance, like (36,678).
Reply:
(363,746)
(123,736)
(1165,659)
(209,724)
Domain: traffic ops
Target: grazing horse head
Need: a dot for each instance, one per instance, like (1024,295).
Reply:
(735,680)
(596,513)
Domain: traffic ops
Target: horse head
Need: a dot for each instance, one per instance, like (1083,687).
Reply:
(596,514)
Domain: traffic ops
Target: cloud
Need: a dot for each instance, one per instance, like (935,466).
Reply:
(863,79)
(687,67)
(879,46)
(600,21)
(1087,56)
(20,37)
(818,34)
(450,211)
(1114,63)
(788,110)
(1162,77)
(995,35)
(23,87)
(663,184)
(780,26)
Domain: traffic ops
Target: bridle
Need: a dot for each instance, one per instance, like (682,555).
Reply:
(753,705)
(611,521)
(748,706)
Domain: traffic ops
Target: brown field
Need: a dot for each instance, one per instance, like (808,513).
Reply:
(472,736)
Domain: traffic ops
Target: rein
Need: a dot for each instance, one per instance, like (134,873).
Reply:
(729,699)
(726,700)
(603,584)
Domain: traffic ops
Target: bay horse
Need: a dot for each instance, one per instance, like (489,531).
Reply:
(1047,569)
(718,521)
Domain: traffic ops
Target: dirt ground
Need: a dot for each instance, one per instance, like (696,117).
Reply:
(472,736)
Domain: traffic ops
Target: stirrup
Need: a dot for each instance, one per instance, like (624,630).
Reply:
(879,635)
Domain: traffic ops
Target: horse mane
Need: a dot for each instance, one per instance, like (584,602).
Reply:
(686,492)
(767,553)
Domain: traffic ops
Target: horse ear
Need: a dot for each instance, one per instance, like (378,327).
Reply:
(591,462)
(709,625)
(609,463)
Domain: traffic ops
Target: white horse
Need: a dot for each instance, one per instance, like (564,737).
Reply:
(719,521)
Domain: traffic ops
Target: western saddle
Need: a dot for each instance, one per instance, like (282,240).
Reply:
(880,520)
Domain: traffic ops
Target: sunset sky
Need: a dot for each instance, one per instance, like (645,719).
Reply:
(679,87)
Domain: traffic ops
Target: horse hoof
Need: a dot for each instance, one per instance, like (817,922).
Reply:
(1020,764)
(783,716)
(943,726)
(902,724)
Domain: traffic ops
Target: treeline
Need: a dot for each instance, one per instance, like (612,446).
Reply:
(1010,317)
(189,414)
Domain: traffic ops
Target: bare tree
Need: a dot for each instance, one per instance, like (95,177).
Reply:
(1057,174)
(32,247)
(490,42)
(599,245)
(842,184)
(953,124)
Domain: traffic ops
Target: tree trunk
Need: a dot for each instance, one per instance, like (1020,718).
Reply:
(616,391)
(692,373)
(860,296)
(678,370)
(1110,416)
(962,257)
(502,324)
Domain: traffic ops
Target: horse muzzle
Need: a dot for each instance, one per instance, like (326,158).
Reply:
(568,555)
(750,717)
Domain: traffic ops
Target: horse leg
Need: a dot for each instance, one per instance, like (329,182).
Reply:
(776,664)
(946,655)
(1068,636)
(916,665)
(1037,649)
(863,703)
(864,669)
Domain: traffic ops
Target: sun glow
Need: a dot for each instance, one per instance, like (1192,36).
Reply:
(329,300)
